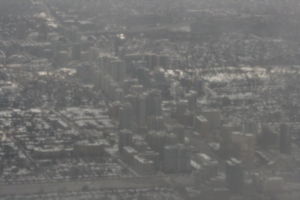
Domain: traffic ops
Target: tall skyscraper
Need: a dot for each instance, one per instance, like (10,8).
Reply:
(42,32)
(126,116)
(141,111)
(177,159)
(234,176)
(154,101)
(76,51)
(285,142)
(125,139)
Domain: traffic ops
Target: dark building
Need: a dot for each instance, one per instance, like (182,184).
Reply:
(43,32)
(177,159)
(154,101)
(234,176)
(119,43)
(125,139)
(76,51)
(126,112)
(285,142)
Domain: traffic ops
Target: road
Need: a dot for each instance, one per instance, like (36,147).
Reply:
(124,183)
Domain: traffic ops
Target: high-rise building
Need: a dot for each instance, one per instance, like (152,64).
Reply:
(176,159)
(226,132)
(128,153)
(163,61)
(285,142)
(243,147)
(178,130)
(2,58)
(202,126)
(152,61)
(170,161)
(234,176)
(213,117)
(76,51)
(62,58)
(21,30)
(118,71)
(269,138)
(141,111)
(155,123)
(119,42)
(192,100)
(42,32)
(154,101)
(143,166)
(125,139)
(126,113)
(119,95)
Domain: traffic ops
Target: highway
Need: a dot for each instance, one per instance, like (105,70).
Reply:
(100,184)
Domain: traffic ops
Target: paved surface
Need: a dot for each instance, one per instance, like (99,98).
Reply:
(135,182)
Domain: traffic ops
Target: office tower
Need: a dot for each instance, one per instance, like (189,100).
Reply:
(181,108)
(114,110)
(226,132)
(119,42)
(128,83)
(243,147)
(143,74)
(93,54)
(126,116)
(76,51)
(84,56)
(154,101)
(157,141)
(155,123)
(234,176)
(21,30)
(171,139)
(42,32)
(84,72)
(192,100)
(285,142)
(141,111)
(250,126)
(140,145)
(213,117)
(143,166)
(176,90)
(133,100)
(119,95)
(154,157)
(178,130)
(176,159)
(152,61)
(136,89)
(163,61)
(198,85)
(128,153)
(268,139)
(184,158)
(202,126)
(118,71)
(104,64)
(2,58)
(62,58)
(170,161)
(125,139)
